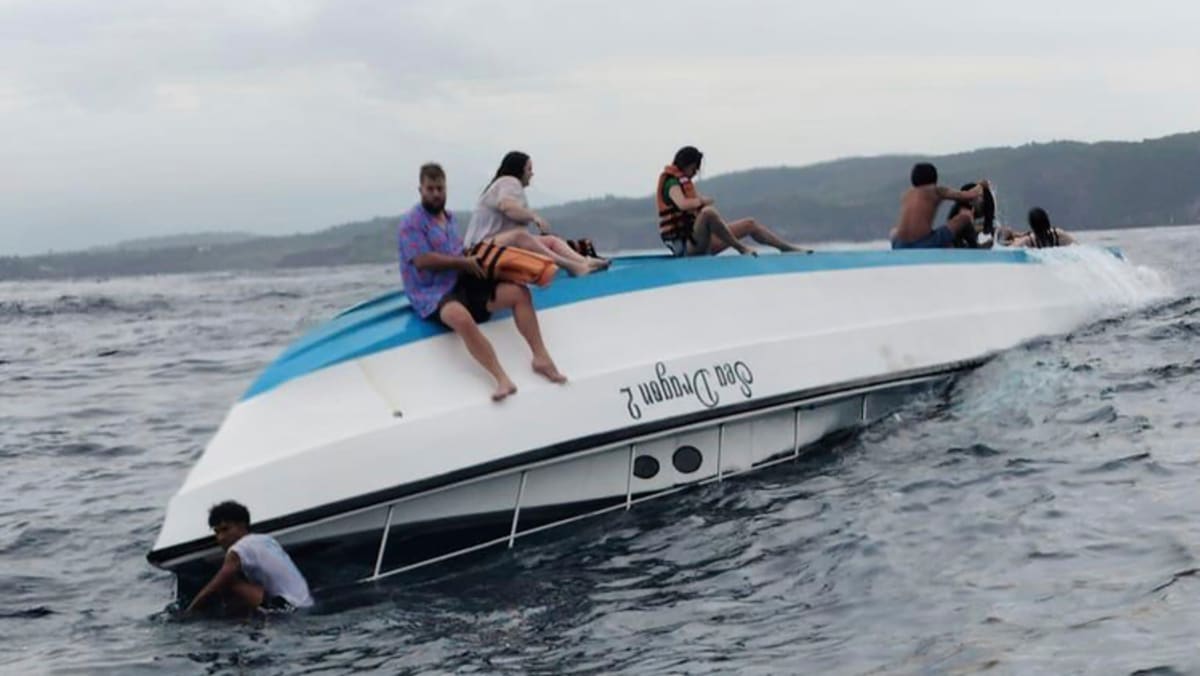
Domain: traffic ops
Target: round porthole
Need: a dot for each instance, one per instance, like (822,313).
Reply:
(645,467)
(687,459)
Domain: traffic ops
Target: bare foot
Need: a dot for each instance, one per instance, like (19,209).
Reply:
(599,263)
(792,248)
(747,251)
(548,370)
(578,269)
(503,389)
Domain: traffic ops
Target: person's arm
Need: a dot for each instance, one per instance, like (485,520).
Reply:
(510,201)
(675,192)
(514,210)
(958,195)
(415,248)
(431,260)
(224,577)
(1065,237)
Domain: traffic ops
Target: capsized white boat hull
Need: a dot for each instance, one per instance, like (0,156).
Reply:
(742,360)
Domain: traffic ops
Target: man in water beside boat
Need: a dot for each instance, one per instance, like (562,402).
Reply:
(256,573)
(689,223)
(503,216)
(444,285)
(918,207)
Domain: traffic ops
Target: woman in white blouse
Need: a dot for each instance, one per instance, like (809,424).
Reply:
(503,216)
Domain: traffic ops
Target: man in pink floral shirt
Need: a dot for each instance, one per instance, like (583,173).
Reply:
(444,285)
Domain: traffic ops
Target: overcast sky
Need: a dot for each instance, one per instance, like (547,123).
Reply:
(131,118)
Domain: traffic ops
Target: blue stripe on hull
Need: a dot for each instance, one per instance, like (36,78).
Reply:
(386,321)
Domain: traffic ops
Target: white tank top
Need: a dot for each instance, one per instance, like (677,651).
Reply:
(266,564)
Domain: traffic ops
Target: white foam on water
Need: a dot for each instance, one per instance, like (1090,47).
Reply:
(1106,277)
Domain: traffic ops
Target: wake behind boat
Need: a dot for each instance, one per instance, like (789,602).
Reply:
(371,441)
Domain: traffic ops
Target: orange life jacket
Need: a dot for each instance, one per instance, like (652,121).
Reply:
(673,222)
(510,264)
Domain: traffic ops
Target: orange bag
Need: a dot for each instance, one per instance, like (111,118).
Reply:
(510,264)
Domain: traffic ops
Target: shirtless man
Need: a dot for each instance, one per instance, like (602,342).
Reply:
(919,205)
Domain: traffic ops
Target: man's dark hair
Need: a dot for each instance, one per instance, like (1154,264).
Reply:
(432,171)
(924,173)
(228,512)
(688,156)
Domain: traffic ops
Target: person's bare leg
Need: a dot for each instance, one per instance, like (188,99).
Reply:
(520,238)
(762,234)
(713,235)
(457,317)
(242,597)
(559,246)
(517,297)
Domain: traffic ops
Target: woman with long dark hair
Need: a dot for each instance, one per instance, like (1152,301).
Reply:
(1041,234)
(503,216)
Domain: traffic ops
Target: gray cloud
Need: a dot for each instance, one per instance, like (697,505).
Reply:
(143,117)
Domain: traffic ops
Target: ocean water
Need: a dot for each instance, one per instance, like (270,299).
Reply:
(1041,517)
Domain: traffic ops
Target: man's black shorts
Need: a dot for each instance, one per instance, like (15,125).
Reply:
(474,293)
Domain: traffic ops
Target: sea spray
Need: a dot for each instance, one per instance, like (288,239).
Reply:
(1105,275)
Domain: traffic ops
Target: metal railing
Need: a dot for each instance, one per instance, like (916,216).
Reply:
(721,473)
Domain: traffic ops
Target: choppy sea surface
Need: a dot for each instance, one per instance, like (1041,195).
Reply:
(1041,517)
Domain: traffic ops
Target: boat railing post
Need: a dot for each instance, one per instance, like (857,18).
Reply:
(796,434)
(387,528)
(720,445)
(512,533)
(629,478)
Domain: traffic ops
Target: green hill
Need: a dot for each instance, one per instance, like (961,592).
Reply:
(1082,185)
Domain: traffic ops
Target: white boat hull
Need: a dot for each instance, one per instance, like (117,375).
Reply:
(742,368)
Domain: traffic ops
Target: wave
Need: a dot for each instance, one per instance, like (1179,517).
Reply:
(81,305)
(270,295)
(26,613)
(1181,307)
(1176,370)
(91,449)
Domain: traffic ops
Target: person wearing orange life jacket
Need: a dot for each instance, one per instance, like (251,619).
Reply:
(688,222)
